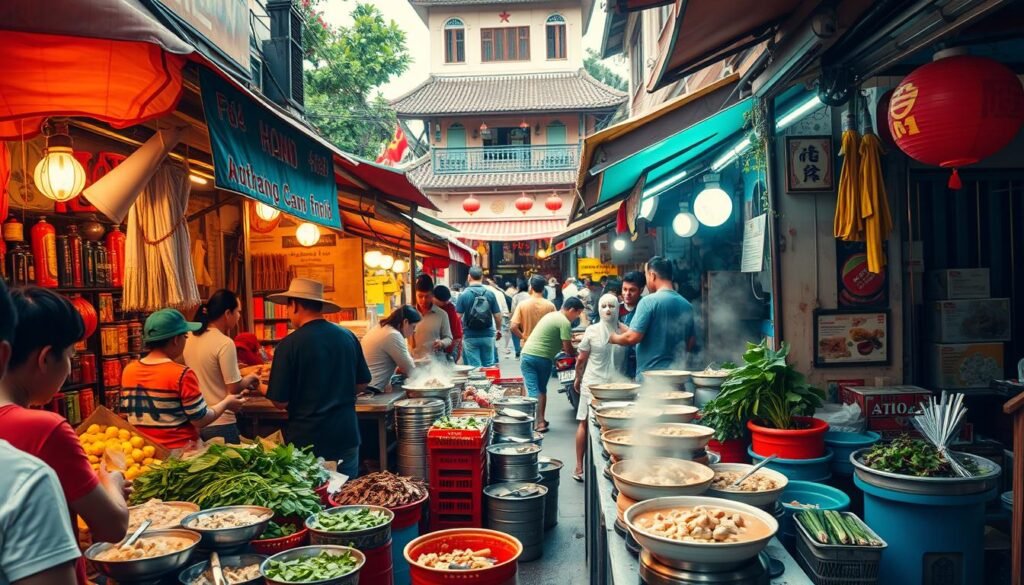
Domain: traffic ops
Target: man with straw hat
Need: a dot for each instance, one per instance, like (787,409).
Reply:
(317,372)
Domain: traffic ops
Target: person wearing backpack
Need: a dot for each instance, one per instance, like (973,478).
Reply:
(481,320)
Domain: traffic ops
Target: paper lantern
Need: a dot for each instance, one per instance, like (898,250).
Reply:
(524,203)
(553,203)
(955,111)
(266,212)
(308,234)
(471,205)
(387,261)
(59,175)
(372,258)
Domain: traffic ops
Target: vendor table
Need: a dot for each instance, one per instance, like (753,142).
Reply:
(608,560)
(379,408)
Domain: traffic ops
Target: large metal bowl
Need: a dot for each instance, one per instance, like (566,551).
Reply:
(351,578)
(229,538)
(617,391)
(677,413)
(463,369)
(938,486)
(365,539)
(622,422)
(137,515)
(702,476)
(721,555)
(673,377)
(195,571)
(147,569)
(441,392)
(704,380)
(762,499)
(695,439)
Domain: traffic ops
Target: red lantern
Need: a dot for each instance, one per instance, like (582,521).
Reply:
(553,203)
(524,203)
(88,313)
(955,111)
(881,120)
(471,205)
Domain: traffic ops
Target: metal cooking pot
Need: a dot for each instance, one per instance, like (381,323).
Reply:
(513,427)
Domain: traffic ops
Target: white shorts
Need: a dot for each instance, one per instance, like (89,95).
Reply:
(584,408)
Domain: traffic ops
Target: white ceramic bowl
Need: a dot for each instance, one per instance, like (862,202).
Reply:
(623,422)
(707,380)
(696,437)
(673,377)
(760,499)
(702,475)
(616,449)
(621,391)
(677,413)
(667,397)
(723,554)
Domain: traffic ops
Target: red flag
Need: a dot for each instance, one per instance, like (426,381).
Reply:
(395,150)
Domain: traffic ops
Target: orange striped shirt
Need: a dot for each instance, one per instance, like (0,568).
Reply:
(162,399)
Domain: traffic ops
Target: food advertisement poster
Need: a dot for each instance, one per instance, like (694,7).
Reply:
(856,287)
(851,338)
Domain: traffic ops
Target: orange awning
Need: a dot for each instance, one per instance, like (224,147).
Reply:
(390,233)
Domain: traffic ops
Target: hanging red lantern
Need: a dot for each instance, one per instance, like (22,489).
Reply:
(524,203)
(884,132)
(471,205)
(955,111)
(553,203)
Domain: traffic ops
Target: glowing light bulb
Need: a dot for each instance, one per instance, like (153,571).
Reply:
(266,212)
(308,234)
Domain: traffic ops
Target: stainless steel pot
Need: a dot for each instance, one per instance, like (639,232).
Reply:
(517,509)
(513,427)
(513,462)
(550,472)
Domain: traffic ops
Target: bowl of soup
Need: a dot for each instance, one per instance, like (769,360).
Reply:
(670,377)
(677,413)
(679,436)
(656,477)
(761,489)
(620,443)
(669,397)
(619,416)
(614,391)
(699,529)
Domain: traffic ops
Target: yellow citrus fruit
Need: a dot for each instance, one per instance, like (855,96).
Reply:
(138,455)
(149,450)
(136,441)
(126,447)
(93,428)
(147,461)
(111,431)
(113,444)
(144,469)
(123,434)
(93,459)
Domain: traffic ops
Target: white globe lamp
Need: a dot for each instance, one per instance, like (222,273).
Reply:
(398,267)
(619,244)
(713,206)
(372,259)
(266,212)
(387,262)
(684,224)
(308,234)
(58,175)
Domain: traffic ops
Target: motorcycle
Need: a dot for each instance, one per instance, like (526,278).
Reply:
(565,369)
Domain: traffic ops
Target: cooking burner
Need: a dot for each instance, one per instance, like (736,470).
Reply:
(752,572)
(615,494)
(605,455)
(631,544)
(608,472)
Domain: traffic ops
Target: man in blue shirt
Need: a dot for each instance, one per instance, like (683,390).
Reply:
(481,321)
(633,285)
(662,328)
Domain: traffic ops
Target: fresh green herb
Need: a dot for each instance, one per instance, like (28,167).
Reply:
(458,422)
(836,528)
(907,456)
(348,520)
(307,569)
(275,530)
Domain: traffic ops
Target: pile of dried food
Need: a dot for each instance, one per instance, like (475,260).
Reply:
(381,489)
(281,478)
(907,456)
(759,482)
(458,560)
(226,519)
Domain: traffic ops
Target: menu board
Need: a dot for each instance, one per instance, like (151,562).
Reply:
(848,338)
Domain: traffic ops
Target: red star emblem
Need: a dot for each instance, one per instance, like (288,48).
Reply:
(504,16)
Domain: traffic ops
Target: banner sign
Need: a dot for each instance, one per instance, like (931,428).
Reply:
(222,23)
(263,157)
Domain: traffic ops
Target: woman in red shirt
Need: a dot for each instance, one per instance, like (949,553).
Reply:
(46,331)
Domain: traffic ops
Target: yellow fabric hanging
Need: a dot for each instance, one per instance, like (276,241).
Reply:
(848,225)
(874,201)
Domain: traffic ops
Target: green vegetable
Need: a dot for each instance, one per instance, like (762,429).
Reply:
(306,569)
(275,530)
(810,521)
(457,422)
(913,457)
(349,520)
(281,479)
(836,526)
(765,389)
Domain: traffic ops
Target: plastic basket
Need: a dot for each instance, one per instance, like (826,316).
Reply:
(829,564)
(272,546)
(460,503)
(468,439)
(461,459)
(456,480)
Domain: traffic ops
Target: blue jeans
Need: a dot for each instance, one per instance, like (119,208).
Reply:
(517,344)
(478,351)
(536,373)
(348,463)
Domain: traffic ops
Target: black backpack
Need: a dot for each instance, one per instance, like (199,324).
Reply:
(479,316)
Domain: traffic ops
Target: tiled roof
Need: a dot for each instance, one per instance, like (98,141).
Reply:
(422,174)
(528,92)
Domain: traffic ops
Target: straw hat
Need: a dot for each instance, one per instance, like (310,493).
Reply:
(305,288)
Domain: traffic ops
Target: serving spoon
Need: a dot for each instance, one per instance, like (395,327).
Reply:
(754,470)
(137,534)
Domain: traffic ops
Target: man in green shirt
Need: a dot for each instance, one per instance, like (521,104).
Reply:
(552,334)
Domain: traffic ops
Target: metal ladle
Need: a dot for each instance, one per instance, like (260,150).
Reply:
(136,535)
(753,470)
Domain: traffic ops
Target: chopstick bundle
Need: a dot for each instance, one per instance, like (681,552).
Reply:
(939,422)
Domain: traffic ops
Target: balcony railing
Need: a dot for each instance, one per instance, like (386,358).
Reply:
(505,159)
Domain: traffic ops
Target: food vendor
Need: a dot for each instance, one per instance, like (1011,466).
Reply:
(159,395)
(40,361)
(385,347)
(433,334)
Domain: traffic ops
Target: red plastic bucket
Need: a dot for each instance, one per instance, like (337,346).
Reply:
(802,443)
(378,568)
(730,451)
(321,491)
(408,514)
(506,549)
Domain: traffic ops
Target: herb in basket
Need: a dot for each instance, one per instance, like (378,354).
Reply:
(458,423)
(907,456)
(304,570)
(275,530)
(836,528)
(349,520)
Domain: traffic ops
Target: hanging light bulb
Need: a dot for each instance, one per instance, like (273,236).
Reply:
(648,206)
(372,259)
(387,261)
(542,253)
(59,175)
(308,234)
(266,212)
(619,244)
(684,224)
(713,206)
(399,266)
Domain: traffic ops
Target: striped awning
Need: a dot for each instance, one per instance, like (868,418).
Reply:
(510,230)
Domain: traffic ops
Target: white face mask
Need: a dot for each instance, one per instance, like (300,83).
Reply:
(608,308)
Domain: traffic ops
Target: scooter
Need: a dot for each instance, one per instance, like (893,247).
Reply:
(565,368)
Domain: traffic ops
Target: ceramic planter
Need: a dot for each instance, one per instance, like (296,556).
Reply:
(802,443)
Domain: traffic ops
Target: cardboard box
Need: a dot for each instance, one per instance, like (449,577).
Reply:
(958,283)
(967,321)
(105,417)
(887,409)
(954,366)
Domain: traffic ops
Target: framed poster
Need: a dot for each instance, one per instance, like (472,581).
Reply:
(851,338)
(810,164)
(856,287)
(319,272)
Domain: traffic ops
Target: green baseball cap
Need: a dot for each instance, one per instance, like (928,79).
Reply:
(165,324)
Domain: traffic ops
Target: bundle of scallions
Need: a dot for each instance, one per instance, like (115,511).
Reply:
(831,527)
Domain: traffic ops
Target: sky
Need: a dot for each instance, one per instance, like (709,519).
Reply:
(336,12)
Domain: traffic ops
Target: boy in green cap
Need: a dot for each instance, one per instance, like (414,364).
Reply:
(160,396)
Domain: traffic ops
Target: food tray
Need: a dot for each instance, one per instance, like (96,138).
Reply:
(838,564)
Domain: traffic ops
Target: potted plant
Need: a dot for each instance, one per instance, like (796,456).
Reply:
(730,439)
(775,402)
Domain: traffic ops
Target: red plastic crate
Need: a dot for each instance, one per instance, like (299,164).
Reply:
(492,373)
(463,459)
(456,480)
(446,522)
(456,503)
(500,381)
(467,439)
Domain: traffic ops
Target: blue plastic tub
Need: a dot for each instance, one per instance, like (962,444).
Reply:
(399,538)
(842,444)
(807,492)
(817,470)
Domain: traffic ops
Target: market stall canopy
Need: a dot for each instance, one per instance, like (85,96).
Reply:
(457,251)
(104,59)
(707,31)
(354,173)
(392,233)
(510,230)
(590,223)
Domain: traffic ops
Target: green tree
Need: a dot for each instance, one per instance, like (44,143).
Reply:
(345,66)
(601,72)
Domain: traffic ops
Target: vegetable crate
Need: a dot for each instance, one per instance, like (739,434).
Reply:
(458,439)
(843,564)
(457,479)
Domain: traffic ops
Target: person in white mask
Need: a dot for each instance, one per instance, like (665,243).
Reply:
(598,362)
